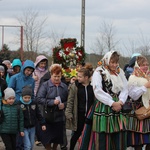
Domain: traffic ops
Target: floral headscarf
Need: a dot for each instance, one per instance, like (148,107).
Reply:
(116,77)
(139,73)
(104,62)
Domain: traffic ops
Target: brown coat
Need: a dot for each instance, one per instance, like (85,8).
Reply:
(71,109)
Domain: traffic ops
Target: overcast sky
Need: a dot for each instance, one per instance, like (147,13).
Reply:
(128,16)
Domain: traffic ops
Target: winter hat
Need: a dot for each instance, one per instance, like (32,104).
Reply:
(2,68)
(6,62)
(9,92)
(135,54)
(26,90)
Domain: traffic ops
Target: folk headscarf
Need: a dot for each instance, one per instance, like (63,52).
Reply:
(139,78)
(116,76)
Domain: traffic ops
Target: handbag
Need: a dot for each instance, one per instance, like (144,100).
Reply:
(142,113)
(127,106)
(49,114)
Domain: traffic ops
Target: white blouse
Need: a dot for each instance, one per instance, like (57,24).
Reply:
(103,96)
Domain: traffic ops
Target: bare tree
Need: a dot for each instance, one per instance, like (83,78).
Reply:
(130,46)
(54,39)
(145,44)
(33,27)
(105,40)
(140,44)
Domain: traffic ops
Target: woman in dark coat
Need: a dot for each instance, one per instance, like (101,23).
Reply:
(47,94)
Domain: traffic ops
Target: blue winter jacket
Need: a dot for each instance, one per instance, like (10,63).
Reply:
(18,81)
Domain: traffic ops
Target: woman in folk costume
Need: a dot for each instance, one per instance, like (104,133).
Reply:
(139,91)
(109,122)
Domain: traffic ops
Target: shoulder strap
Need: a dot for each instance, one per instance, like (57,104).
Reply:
(46,94)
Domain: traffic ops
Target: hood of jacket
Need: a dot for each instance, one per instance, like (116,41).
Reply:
(27,64)
(16,62)
(39,59)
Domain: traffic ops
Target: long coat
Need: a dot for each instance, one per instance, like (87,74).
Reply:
(71,109)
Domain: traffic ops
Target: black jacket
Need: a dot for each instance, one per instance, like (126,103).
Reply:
(81,95)
(31,114)
(3,85)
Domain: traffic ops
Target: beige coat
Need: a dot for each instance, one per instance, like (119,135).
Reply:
(71,109)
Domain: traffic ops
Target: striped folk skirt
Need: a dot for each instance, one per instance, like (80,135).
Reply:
(138,131)
(107,131)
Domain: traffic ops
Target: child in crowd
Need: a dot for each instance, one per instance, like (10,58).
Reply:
(80,99)
(17,82)
(31,114)
(13,120)
(16,66)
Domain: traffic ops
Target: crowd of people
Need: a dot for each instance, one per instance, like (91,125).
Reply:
(37,104)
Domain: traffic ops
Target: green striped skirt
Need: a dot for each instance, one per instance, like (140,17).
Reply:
(108,121)
(138,130)
(108,129)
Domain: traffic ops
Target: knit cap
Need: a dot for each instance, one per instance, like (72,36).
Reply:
(6,62)
(9,92)
(26,90)
(2,68)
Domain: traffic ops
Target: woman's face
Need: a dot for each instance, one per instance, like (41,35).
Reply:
(144,66)
(81,78)
(42,64)
(8,65)
(113,65)
(56,78)
(2,74)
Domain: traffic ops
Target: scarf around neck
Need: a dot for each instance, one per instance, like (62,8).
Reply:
(41,69)
(22,101)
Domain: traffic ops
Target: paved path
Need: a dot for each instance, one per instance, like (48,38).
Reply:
(41,147)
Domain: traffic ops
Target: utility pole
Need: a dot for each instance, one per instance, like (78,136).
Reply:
(83,24)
